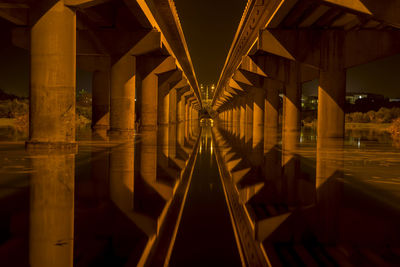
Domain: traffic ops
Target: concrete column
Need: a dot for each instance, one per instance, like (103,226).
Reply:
(258,116)
(332,87)
(101,84)
(149,67)
(331,98)
(182,108)
(163,107)
(173,106)
(149,102)
(237,117)
(291,118)
(51,216)
(123,82)
(249,117)
(187,110)
(271,104)
(190,116)
(53,77)
(230,116)
(242,116)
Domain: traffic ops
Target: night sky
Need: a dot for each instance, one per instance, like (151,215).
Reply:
(209,27)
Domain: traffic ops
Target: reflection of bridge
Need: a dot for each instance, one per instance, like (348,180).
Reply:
(135,49)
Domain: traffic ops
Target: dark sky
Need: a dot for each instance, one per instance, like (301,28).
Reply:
(209,27)
(379,77)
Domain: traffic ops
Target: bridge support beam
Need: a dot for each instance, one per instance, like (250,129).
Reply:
(332,88)
(292,98)
(53,79)
(249,117)
(163,108)
(173,106)
(149,68)
(237,117)
(123,79)
(272,104)
(258,115)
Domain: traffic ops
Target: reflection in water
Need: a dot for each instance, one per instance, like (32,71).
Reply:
(51,227)
(305,204)
(114,203)
(296,199)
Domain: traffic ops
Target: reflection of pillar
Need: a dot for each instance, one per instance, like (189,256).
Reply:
(122,175)
(330,164)
(148,157)
(51,231)
(332,88)
(271,104)
(173,106)
(290,165)
(272,156)
(258,115)
(172,140)
(123,95)
(180,135)
(292,98)
(53,75)
(163,139)
(101,100)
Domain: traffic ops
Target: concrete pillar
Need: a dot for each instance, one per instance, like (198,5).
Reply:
(249,117)
(149,67)
(101,84)
(187,110)
(258,115)
(331,98)
(53,77)
(332,87)
(271,104)
(242,116)
(182,108)
(237,117)
(291,119)
(123,82)
(163,107)
(149,103)
(173,106)
(51,216)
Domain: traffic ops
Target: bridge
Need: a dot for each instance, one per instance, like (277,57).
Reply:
(126,197)
(278,46)
(281,44)
(136,50)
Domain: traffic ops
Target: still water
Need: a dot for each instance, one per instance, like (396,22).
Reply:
(158,197)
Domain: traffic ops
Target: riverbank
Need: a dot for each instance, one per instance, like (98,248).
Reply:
(383,127)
